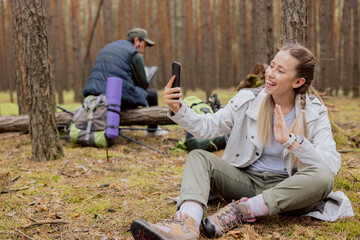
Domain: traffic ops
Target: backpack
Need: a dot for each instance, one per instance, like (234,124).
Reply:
(88,125)
(210,106)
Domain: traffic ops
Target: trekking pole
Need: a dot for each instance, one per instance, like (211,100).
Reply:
(65,110)
(131,128)
(142,144)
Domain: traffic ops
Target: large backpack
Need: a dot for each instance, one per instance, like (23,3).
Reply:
(89,122)
(210,106)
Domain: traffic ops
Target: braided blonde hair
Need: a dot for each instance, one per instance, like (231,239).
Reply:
(304,69)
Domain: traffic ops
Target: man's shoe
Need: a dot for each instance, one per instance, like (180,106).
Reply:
(158,132)
(177,229)
(227,218)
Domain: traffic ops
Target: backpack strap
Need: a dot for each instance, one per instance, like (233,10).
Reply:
(90,118)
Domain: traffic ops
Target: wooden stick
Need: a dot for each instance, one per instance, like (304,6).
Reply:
(42,222)
(13,190)
(28,237)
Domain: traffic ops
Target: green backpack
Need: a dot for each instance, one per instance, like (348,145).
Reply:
(190,143)
(89,122)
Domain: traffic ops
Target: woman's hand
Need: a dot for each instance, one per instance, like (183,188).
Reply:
(281,132)
(170,93)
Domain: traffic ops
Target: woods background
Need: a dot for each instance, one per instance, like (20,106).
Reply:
(218,42)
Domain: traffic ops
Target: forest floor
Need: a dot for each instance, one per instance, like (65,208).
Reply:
(95,193)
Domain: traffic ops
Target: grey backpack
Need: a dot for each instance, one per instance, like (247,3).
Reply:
(89,122)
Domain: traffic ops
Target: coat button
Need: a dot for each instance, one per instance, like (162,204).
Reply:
(237,155)
(257,154)
(252,137)
(236,106)
(231,101)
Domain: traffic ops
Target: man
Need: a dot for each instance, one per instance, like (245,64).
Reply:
(124,59)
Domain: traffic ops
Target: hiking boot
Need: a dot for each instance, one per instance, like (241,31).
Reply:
(177,229)
(232,215)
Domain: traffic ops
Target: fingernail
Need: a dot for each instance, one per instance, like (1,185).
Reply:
(179,89)
(180,94)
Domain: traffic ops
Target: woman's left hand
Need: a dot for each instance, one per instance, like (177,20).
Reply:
(281,132)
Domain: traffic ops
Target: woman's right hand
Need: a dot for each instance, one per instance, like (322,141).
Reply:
(170,93)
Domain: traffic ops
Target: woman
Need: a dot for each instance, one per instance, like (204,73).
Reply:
(280,157)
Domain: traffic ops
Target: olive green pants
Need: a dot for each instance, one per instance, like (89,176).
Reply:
(297,194)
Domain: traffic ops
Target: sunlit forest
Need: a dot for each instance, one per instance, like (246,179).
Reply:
(217,42)
(53,187)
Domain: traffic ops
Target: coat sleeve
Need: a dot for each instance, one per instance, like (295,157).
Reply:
(206,126)
(322,148)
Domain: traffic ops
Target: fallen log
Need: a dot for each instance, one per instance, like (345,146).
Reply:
(139,116)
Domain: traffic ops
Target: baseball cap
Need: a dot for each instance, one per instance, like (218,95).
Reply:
(140,33)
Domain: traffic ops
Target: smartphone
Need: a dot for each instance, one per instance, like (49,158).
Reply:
(176,71)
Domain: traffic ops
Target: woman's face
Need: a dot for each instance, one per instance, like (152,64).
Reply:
(280,76)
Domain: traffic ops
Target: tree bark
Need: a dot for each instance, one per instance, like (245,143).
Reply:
(139,116)
(327,58)
(242,43)
(346,47)
(108,23)
(293,22)
(355,52)
(22,91)
(75,33)
(262,33)
(4,65)
(42,126)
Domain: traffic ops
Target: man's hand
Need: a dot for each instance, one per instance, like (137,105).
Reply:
(170,93)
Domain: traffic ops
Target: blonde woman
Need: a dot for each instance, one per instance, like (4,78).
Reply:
(280,158)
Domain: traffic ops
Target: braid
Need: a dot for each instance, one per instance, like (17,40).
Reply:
(303,101)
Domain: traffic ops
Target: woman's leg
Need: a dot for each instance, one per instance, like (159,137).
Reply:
(302,190)
(204,171)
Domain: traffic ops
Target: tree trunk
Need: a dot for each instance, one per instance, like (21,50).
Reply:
(225,46)
(22,91)
(346,46)
(293,22)
(108,24)
(3,66)
(189,64)
(75,33)
(355,51)
(43,131)
(10,54)
(139,116)
(58,70)
(262,33)
(327,58)
(242,43)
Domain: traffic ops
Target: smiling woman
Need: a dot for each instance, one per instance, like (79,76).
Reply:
(280,144)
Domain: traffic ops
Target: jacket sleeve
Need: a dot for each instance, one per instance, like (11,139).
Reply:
(322,148)
(206,126)
(138,71)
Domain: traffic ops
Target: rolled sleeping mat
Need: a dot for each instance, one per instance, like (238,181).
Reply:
(113,97)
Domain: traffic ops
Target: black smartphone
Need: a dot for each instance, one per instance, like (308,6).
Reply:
(176,71)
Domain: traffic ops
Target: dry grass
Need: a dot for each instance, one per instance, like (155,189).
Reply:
(95,196)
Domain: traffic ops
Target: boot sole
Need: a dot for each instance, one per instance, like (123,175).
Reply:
(142,231)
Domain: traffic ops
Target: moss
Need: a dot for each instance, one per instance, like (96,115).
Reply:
(101,207)
(72,195)
(351,228)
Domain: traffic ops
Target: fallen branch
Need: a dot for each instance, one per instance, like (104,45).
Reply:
(15,179)
(27,236)
(13,190)
(42,222)
(355,179)
(139,116)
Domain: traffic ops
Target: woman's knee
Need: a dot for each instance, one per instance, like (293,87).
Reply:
(322,177)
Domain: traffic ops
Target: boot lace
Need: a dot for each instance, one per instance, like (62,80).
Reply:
(231,217)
